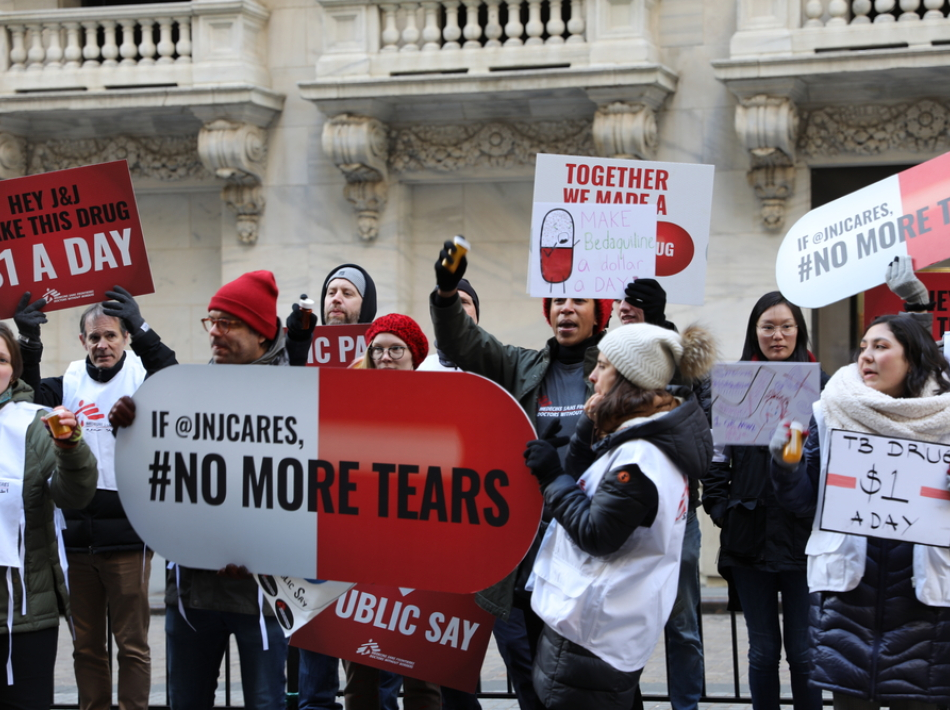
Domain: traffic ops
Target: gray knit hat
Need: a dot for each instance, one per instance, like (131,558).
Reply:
(647,355)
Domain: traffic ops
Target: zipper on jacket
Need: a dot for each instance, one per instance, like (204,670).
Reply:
(878,617)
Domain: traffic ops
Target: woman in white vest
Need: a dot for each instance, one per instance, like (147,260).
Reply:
(38,475)
(605,577)
(881,624)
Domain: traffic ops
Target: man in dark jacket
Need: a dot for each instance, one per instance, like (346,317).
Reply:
(109,564)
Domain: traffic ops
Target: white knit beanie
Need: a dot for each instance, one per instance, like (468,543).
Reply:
(645,354)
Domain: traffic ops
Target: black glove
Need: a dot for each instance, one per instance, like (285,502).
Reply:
(124,307)
(447,280)
(122,413)
(29,317)
(648,296)
(300,328)
(541,457)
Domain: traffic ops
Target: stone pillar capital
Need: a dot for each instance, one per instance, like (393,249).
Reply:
(623,129)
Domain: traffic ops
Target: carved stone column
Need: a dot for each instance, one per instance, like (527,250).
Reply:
(12,156)
(625,130)
(768,128)
(359,147)
(237,153)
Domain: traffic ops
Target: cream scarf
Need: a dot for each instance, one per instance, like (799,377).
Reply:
(847,403)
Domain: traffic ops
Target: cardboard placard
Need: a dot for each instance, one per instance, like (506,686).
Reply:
(69,236)
(880,300)
(337,345)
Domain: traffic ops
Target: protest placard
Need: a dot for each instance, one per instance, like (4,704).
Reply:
(329,473)
(296,600)
(69,236)
(431,636)
(886,487)
(844,247)
(680,193)
(750,399)
(880,301)
(337,345)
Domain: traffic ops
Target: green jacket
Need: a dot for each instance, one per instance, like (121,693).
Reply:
(520,371)
(73,484)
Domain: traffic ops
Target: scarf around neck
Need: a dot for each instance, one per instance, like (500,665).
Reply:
(847,403)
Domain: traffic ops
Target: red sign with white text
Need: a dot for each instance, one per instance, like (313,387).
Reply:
(337,345)
(433,636)
(880,301)
(69,236)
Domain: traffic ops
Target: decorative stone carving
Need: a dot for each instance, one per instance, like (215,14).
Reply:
(237,153)
(12,156)
(165,158)
(358,146)
(919,127)
(625,130)
(768,128)
(495,145)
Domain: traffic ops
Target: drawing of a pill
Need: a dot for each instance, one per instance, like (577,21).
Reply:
(557,246)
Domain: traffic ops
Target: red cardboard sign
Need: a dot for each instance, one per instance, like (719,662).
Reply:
(433,636)
(69,236)
(411,479)
(881,300)
(337,345)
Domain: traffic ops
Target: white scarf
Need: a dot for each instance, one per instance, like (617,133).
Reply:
(848,403)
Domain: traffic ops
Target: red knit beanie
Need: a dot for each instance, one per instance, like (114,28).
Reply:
(603,307)
(252,297)
(405,328)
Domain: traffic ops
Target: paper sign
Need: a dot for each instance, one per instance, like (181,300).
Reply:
(844,247)
(750,399)
(433,636)
(590,251)
(337,345)
(880,300)
(69,236)
(886,487)
(296,601)
(329,473)
(681,193)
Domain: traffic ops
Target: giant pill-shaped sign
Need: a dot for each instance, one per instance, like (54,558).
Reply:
(411,479)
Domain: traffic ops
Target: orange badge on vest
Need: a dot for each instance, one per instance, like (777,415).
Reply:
(623,477)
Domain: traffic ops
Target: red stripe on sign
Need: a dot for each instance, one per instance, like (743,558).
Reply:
(941,493)
(836,479)
(925,225)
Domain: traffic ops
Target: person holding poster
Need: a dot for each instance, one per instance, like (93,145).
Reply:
(109,565)
(605,577)
(881,621)
(762,546)
(39,470)
(394,342)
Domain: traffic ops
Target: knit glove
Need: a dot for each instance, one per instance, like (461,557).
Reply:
(541,457)
(648,296)
(902,281)
(124,307)
(777,443)
(29,317)
(299,326)
(122,413)
(447,280)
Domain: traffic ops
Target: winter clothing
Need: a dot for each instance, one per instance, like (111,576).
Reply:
(605,576)
(368,292)
(881,626)
(406,329)
(252,297)
(464,285)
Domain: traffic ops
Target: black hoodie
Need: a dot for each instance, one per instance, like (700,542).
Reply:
(368,309)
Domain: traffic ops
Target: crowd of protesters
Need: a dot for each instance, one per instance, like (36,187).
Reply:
(624,456)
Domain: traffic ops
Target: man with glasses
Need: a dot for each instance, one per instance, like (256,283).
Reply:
(109,564)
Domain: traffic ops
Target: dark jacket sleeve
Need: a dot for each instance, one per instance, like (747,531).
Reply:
(716,483)
(74,470)
(48,392)
(602,524)
(580,454)
(797,490)
(154,353)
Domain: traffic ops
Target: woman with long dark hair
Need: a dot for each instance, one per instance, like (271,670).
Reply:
(881,627)
(762,546)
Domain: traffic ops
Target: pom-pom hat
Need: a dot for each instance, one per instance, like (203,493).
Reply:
(252,297)
(648,355)
(406,329)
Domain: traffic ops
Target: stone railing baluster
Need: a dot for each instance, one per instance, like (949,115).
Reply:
(472,30)
(73,52)
(147,48)
(576,26)
(884,9)
(431,34)
(452,32)
(166,48)
(127,49)
(54,46)
(556,25)
(18,51)
(110,49)
(410,33)
(534,27)
(36,55)
(90,50)
(493,26)
(183,46)
(514,28)
(390,34)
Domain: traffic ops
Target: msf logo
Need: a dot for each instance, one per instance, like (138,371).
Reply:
(368,648)
(51,295)
(88,412)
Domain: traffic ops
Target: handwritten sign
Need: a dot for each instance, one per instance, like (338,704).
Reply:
(749,399)
(337,345)
(886,487)
(680,193)
(69,236)
(590,251)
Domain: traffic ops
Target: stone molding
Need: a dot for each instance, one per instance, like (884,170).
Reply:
(165,158)
(12,156)
(237,153)
(625,130)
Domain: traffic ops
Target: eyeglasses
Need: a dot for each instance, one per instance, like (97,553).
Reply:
(395,352)
(222,324)
(770,329)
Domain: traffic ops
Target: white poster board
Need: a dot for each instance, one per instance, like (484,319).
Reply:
(750,399)
(681,194)
(886,487)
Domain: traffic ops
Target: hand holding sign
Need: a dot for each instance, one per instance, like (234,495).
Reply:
(29,317)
